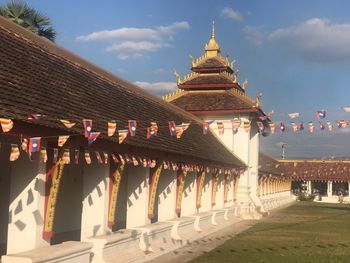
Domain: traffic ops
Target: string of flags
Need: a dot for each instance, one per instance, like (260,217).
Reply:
(72,156)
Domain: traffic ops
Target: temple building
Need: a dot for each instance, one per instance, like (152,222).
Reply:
(95,169)
(213,93)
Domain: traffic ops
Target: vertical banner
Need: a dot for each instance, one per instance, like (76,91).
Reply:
(180,183)
(235,188)
(214,188)
(226,186)
(153,185)
(52,187)
(200,182)
(114,183)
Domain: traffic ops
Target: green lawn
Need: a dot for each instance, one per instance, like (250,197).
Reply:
(304,232)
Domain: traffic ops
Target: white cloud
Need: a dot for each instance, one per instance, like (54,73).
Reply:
(228,12)
(316,40)
(254,35)
(158,88)
(129,42)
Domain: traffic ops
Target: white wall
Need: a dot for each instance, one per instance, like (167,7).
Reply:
(219,192)
(26,210)
(166,195)
(189,197)
(95,200)
(137,181)
(206,194)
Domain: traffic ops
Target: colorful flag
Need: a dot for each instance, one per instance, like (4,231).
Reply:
(185,125)
(322,126)
(99,158)
(112,127)
(321,114)
(34,144)
(294,126)
(36,116)
(271,113)
(14,152)
(347,109)
(144,162)
(122,134)
(6,124)
(24,145)
(134,161)
(62,140)
(342,124)
(301,126)
(66,156)
(87,158)
(76,156)
(179,131)
(55,155)
(293,115)
(152,130)
(330,125)
(311,127)
(87,127)
(205,128)
(221,127)
(121,158)
(272,127)
(132,124)
(172,128)
(43,155)
(115,159)
(67,123)
(236,123)
(282,127)
(260,126)
(92,137)
(105,156)
(247,126)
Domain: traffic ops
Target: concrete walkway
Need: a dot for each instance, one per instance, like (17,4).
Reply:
(204,244)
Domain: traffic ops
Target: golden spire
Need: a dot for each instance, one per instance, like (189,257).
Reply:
(212,48)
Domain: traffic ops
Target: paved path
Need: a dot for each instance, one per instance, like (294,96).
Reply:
(205,244)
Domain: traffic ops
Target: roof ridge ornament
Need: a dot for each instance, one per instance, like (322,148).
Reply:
(212,48)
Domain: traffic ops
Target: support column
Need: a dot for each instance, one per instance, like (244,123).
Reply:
(329,188)
(309,187)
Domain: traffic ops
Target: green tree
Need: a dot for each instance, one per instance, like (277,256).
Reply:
(26,16)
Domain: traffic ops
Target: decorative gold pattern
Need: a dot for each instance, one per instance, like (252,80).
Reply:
(153,190)
(180,183)
(51,204)
(115,183)
(226,186)
(214,188)
(200,183)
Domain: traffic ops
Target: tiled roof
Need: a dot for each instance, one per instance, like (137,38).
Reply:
(212,101)
(269,165)
(214,62)
(201,79)
(37,76)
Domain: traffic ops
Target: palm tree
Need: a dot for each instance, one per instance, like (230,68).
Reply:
(26,16)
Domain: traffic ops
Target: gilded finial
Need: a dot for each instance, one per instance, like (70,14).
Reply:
(213,30)
(177,75)
(235,73)
(232,65)
(258,99)
(244,84)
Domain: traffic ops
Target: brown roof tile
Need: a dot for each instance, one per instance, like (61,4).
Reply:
(37,76)
(211,100)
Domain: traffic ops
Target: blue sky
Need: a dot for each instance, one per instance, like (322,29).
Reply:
(296,52)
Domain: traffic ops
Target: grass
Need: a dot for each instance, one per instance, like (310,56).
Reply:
(304,232)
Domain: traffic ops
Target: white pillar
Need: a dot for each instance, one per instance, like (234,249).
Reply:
(26,210)
(137,203)
(309,187)
(95,200)
(166,195)
(329,188)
